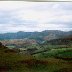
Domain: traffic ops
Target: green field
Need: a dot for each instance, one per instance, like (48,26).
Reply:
(41,62)
(45,59)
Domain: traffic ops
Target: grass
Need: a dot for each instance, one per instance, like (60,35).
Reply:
(63,52)
(10,62)
(10,46)
(33,65)
(42,62)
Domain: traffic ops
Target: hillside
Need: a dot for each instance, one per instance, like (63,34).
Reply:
(38,36)
(42,52)
(60,41)
(19,42)
(2,47)
(11,61)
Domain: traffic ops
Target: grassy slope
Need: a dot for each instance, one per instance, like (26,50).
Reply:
(60,52)
(26,63)
(45,62)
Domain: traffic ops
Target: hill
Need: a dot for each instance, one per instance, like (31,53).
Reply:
(38,36)
(11,61)
(60,41)
(18,42)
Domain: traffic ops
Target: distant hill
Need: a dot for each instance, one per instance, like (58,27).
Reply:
(38,36)
(18,42)
(60,41)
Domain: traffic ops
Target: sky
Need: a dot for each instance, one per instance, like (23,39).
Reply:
(35,16)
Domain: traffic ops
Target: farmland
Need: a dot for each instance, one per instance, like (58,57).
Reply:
(45,58)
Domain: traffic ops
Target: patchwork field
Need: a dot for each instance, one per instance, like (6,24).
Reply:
(51,60)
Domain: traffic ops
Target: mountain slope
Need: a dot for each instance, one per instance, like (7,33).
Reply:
(60,41)
(39,36)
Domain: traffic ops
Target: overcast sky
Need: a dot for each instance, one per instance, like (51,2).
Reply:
(35,16)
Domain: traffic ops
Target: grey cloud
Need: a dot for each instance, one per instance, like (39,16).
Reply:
(65,24)
(66,6)
(7,17)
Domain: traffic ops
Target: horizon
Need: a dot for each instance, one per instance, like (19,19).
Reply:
(35,16)
(35,31)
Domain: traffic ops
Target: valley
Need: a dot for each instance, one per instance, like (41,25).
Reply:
(31,55)
(35,36)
